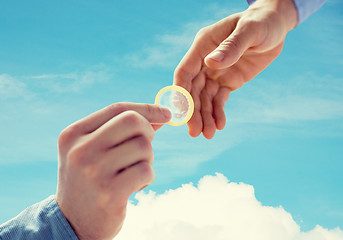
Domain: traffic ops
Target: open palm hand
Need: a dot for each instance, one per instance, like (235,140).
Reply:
(226,55)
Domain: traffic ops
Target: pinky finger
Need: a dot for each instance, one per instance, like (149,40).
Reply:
(219,106)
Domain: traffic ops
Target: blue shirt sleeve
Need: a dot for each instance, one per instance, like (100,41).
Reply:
(41,221)
(304,7)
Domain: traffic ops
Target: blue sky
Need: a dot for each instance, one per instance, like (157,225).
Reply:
(62,61)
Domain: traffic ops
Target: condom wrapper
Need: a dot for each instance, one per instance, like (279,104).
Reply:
(178,101)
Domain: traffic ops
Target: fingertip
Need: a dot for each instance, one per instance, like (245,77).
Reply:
(193,133)
(209,125)
(209,132)
(209,136)
(219,107)
(194,130)
(195,125)
(220,120)
(166,113)
(221,126)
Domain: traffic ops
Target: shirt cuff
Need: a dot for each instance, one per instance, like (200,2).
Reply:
(43,220)
(305,8)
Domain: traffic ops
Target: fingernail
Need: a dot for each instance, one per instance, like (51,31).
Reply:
(217,56)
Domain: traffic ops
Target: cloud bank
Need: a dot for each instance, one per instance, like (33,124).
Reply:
(215,209)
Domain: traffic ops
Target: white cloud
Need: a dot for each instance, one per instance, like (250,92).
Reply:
(11,88)
(71,82)
(215,209)
(167,49)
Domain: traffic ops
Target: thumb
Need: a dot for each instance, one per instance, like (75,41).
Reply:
(154,114)
(231,49)
(164,115)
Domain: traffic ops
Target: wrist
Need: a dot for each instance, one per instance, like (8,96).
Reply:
(286,9)
(289,13)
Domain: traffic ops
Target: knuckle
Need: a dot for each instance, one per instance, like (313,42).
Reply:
(146,172)
(198,88)
(203,32)
(235,83)
(250,22)
(149,108)
(230,42)
(68,135)
(183,76)
(144,145)
(137,124)
(132,119)
(117,107)
(78,155)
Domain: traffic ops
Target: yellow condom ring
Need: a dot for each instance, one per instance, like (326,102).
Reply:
(178,101)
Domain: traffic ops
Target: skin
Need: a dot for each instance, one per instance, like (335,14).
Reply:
(107,156)
(228,54)
(103,159)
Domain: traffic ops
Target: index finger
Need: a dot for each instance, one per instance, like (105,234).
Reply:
(153,113)
(189,66)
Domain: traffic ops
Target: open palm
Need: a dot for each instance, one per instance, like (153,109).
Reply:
(222,58)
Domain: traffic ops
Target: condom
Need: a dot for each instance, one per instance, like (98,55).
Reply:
(178,101)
